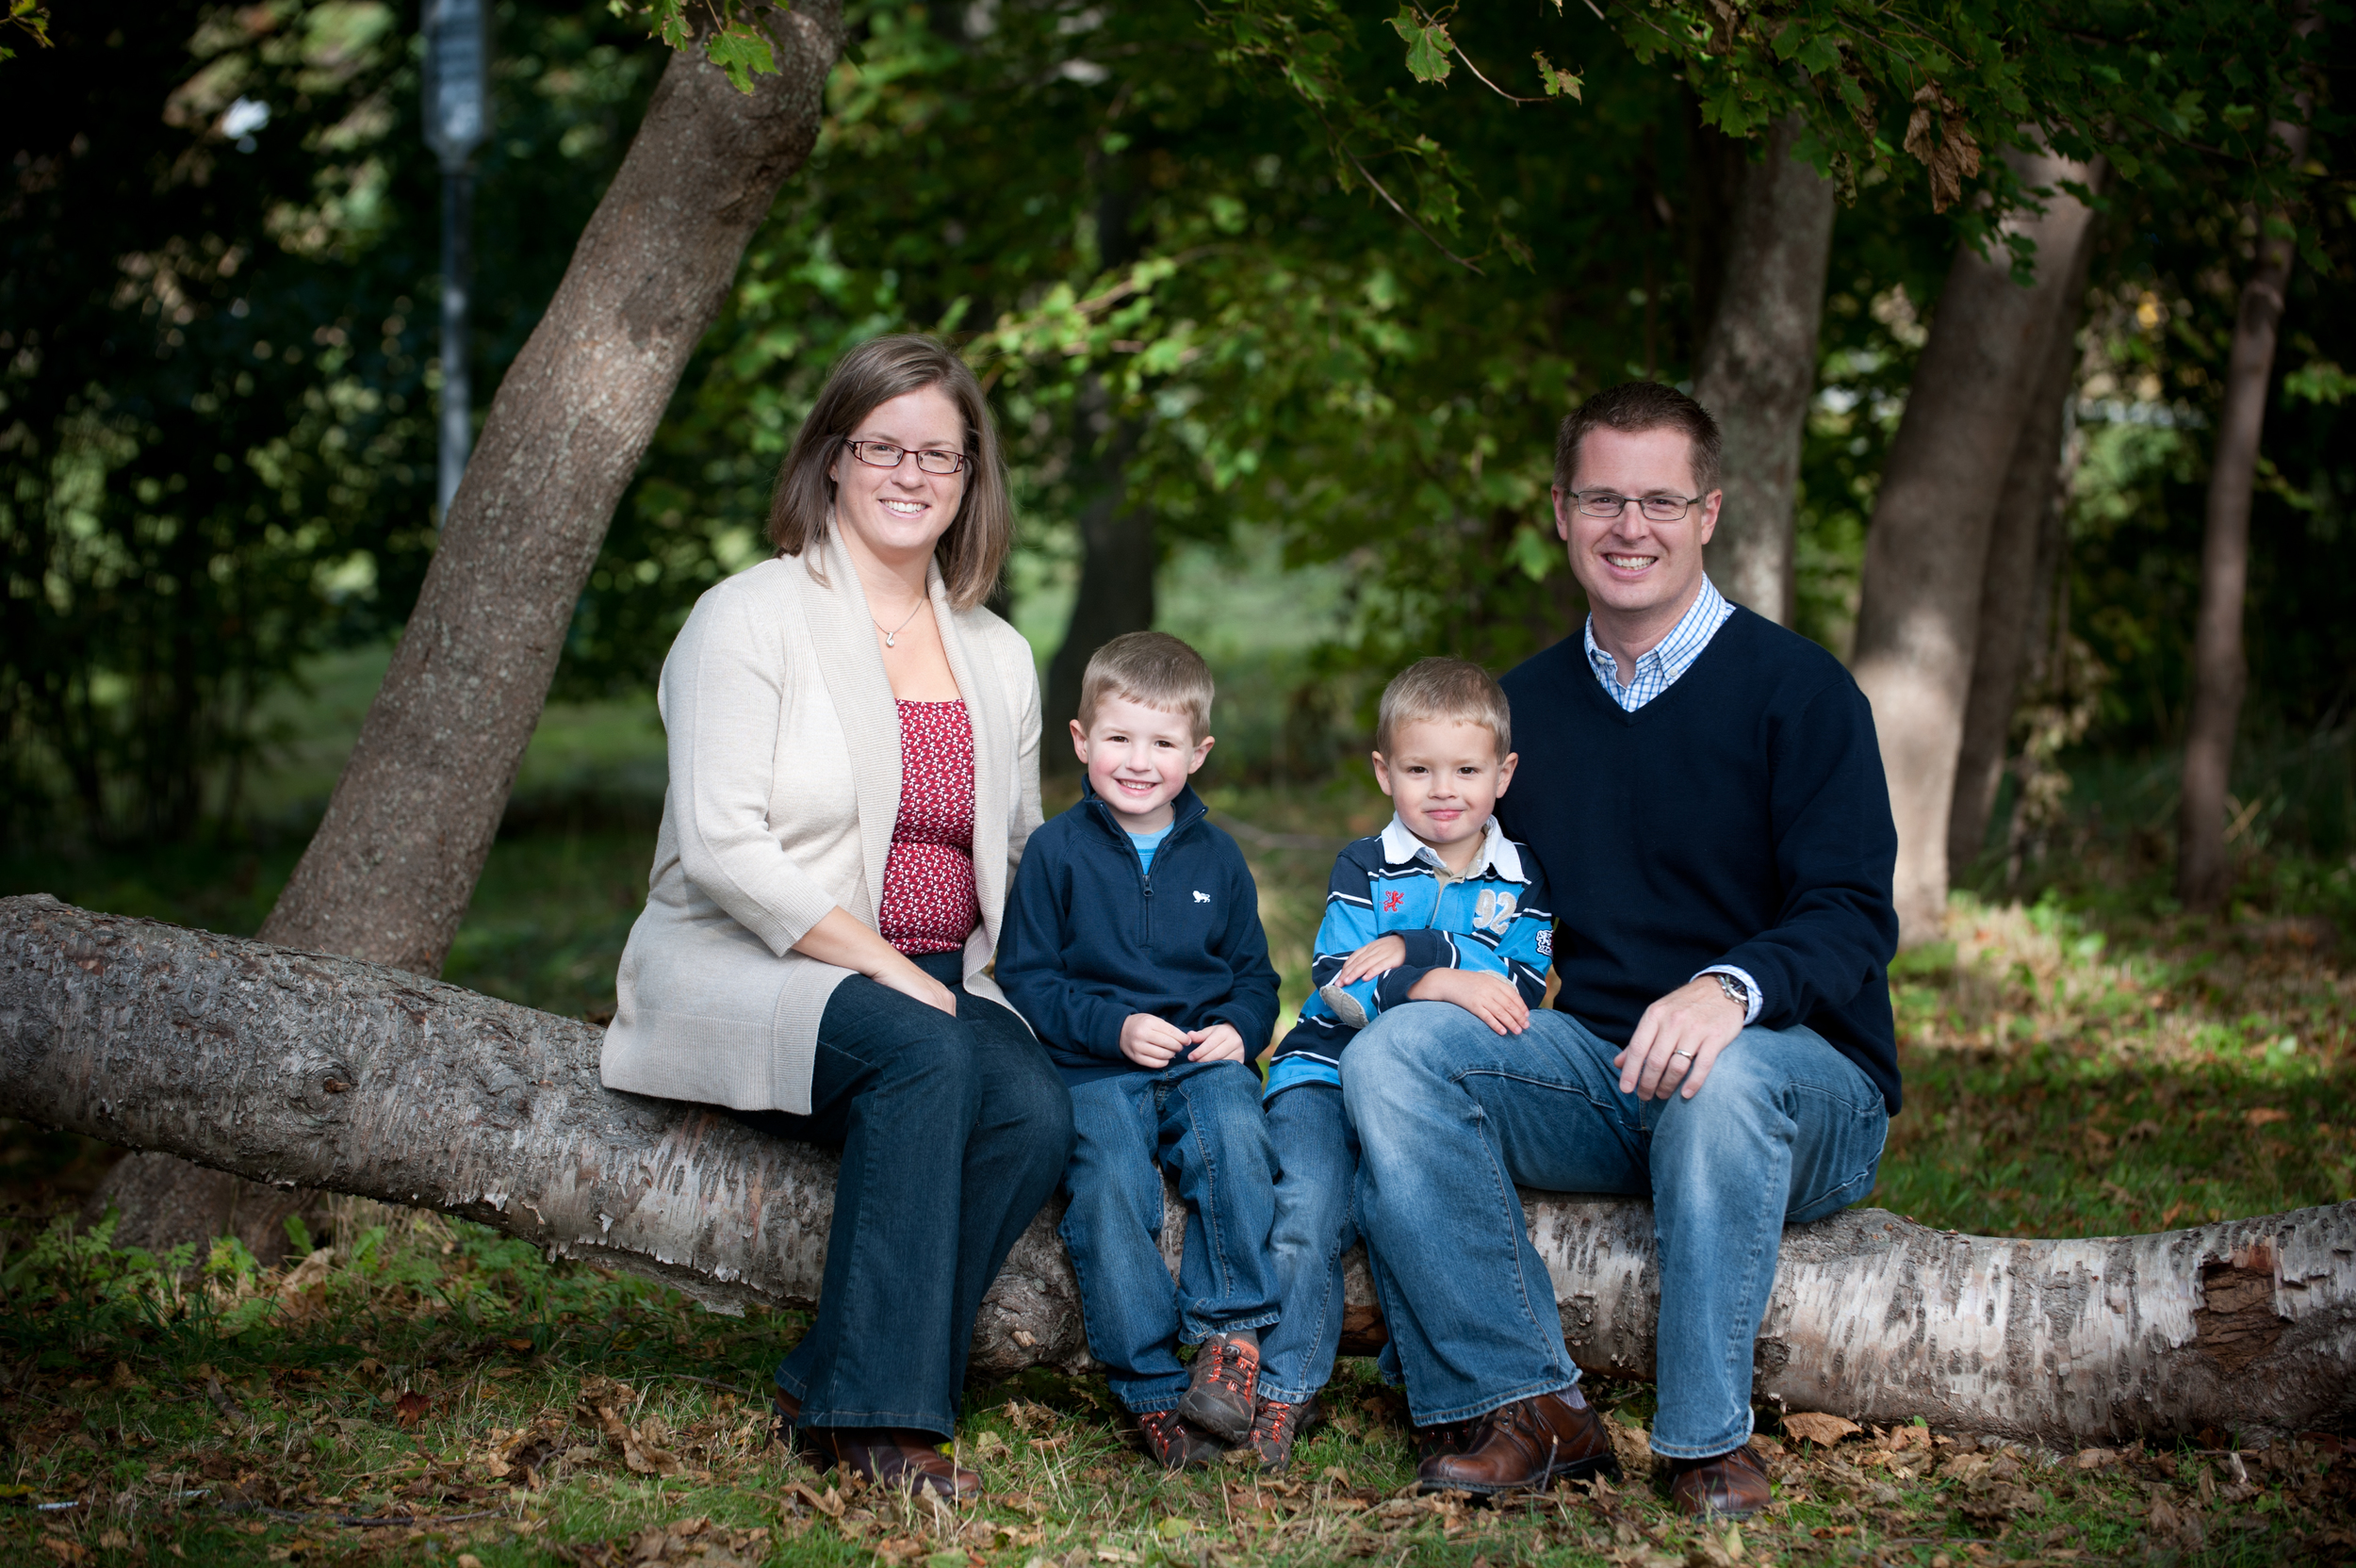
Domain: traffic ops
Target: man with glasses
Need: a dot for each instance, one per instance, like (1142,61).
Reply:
(1704,791)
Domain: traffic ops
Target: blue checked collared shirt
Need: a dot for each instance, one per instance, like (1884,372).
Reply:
(1655,672)
(1658,669)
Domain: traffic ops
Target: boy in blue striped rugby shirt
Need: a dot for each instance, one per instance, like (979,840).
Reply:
(1441,907)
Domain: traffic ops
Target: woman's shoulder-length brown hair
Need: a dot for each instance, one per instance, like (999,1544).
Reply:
(973,550)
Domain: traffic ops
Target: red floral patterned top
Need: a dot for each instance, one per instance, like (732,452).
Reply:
(929,904)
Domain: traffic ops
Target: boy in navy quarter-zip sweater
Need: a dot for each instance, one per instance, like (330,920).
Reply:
(1132,944)
(1440,906)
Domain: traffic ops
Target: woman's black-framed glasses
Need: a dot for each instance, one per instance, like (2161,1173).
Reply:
(883,454)
(1659,509)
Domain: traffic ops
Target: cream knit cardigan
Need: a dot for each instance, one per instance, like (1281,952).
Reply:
(784,786)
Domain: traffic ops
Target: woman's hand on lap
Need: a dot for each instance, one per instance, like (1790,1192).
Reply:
(914,984)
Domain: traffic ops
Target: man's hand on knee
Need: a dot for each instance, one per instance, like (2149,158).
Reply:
(1678,1040)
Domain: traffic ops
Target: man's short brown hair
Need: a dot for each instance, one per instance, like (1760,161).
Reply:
(1447,690)
(1631,408)
(1154,668)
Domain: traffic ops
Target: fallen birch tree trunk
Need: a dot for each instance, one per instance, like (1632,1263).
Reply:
(299,1069)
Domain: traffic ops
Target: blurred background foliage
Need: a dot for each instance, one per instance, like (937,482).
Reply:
(216,357)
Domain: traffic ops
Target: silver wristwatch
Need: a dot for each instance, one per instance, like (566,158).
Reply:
(1737,992)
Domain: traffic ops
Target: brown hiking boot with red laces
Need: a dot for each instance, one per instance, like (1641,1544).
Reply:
(1173,1442)
(1275,1427)
(1223,1395)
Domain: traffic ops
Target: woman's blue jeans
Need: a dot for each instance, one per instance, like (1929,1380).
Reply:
(953,1133)
(1203,1120)
(1451,1115)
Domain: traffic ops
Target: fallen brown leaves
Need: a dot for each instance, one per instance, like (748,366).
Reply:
(688,1541)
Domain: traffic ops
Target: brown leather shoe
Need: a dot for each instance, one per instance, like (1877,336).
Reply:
(1448,1437)
(886,1456)
(1732,1486)
(1525,1445)
(902,1458)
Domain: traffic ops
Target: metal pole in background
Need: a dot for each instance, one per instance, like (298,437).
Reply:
(457,121)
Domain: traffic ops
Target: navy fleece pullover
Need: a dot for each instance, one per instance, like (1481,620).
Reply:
(1740,817)
(1089,938)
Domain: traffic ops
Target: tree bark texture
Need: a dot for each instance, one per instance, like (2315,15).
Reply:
(1118,554)
(1118,550)
(1926,549)
(293,1067)
(1758,367)
(2033,495)
(2220,673)
(389,872)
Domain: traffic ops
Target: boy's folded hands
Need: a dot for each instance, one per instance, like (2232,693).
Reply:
(1379,957)
(1155,1042)
(1490,998)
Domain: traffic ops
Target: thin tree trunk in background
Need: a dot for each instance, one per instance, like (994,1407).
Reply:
(372,1081)
(1926,549)
(390,870)
(389,874)
(1119,548)
(2033,499)
(1758,367)
(2203,868)
(1119,552)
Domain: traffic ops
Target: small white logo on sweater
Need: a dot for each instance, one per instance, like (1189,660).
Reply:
(1201,897)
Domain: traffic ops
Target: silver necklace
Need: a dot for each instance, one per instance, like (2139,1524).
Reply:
(892,638)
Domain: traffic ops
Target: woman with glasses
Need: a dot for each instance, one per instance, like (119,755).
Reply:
(854,769)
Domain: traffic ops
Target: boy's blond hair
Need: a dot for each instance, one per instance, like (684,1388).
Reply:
(1153,668)
(1443,690)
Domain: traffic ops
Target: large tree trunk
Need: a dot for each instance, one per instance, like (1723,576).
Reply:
(1119,549)
(2203,870)
(1927,550)
(292,1068)
(2027,509)
(1758,367)
(389,872)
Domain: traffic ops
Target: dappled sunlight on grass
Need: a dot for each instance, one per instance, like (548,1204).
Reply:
(2064,1080)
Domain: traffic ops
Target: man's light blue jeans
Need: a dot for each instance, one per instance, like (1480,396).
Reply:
(1451,1115)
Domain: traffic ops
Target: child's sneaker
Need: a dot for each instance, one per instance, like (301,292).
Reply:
(1172,1442)
(1221,1396)
(1275,1427)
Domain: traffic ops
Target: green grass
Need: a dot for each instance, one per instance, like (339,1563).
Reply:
(452,1393)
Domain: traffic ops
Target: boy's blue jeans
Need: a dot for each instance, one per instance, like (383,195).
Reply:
(1203,1120)
(1318,1167)
(1451,1115)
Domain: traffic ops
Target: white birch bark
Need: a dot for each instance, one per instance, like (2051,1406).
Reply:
(299,1069)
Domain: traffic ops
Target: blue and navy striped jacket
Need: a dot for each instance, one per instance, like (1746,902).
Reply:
(1496,917)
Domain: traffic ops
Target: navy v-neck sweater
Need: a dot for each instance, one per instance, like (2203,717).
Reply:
(1740,817)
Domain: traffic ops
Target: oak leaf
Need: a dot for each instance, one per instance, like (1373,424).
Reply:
(1815,1427)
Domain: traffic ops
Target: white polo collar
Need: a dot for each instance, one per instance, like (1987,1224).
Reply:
(1497,853)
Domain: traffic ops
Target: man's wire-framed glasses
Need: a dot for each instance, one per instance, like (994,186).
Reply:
(883,454)
(1659,509)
